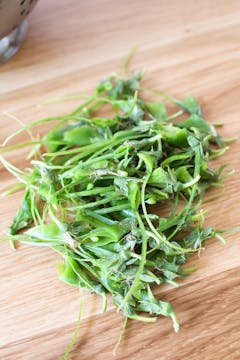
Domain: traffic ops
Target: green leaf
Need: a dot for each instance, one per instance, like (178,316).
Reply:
(159,177)
(157,110)
(150,304)
(104,85)
(197,122)
(190,104)
(23,217)
(148,159)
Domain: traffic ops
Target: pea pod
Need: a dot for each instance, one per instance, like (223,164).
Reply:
(175,136)
(106,234)
(134,195)
(81,136)
(157,110)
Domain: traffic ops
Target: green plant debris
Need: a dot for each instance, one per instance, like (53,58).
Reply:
(92,184)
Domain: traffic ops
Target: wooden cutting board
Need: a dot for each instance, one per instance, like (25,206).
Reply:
(188,47)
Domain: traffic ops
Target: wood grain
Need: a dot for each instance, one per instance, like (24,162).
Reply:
(187,47)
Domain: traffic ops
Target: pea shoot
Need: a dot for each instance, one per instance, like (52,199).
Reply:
(93,181)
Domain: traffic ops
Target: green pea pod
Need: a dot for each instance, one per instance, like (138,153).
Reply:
(71,273)
(182,174)
(51,139)
(175,159)
(83,135)
(46,232)
(175,136)
(67,275)
(84,280)
(134,194)
(106,234)
(104,122)
(155,197)
(157,109)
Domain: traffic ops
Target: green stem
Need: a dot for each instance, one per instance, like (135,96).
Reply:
(40,122)
(75,334)
(143,252)
(120,336)
(192,196)
(161,239)
(112,209)
(94,204)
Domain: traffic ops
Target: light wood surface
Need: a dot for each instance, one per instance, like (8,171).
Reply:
(188,47)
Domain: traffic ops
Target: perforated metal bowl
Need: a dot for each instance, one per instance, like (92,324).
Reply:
(13,25)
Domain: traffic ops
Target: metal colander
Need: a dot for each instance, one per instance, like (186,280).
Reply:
(12,13)
(13,26)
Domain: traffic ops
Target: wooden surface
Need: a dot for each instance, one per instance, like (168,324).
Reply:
(188,47)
